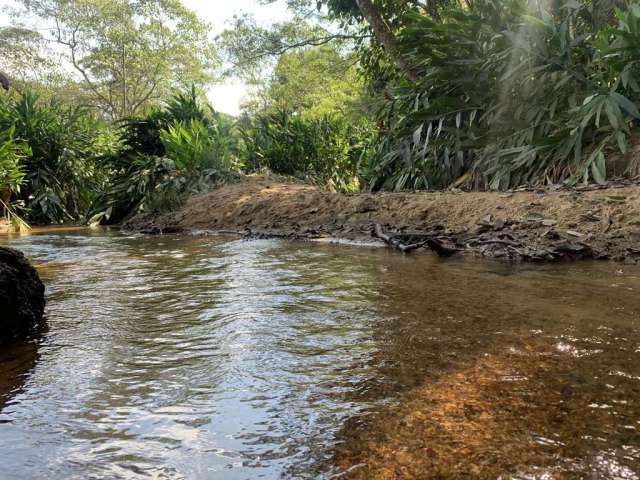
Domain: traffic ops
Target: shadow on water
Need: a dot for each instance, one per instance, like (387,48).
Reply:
(18,359)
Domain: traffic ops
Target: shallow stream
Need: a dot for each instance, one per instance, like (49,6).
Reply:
(206,357)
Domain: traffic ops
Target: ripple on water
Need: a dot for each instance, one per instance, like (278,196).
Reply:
(194,358)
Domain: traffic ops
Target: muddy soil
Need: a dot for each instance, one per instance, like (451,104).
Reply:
(526,225)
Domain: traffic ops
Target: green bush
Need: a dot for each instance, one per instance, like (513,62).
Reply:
(180,149)
(195,146)
(12,174)
(326,149)
(61,176)
(510,95)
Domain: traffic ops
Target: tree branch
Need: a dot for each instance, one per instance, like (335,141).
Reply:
(147,96)
(73,44)
(310,42)
(386,37)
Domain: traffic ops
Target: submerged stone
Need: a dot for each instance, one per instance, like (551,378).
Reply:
(21,295)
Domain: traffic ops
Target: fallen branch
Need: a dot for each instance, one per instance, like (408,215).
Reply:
(440,248)
(431,241)
(394,242)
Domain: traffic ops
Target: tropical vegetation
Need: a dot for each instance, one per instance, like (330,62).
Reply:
(350,94)
(508,94)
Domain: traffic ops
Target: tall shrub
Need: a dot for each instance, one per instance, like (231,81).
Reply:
(326,149)
(179,149)
(61,176)
(509,94)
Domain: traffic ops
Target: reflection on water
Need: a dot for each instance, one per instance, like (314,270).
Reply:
(196,358)
(16,361)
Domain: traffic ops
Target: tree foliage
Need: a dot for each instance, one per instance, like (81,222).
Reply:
(315,82)
(251,49)
(23,53)
(128,54)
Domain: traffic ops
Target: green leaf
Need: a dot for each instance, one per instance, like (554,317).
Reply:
(598,168)
(611,115)
(621,138)
(417,134)
(626,104)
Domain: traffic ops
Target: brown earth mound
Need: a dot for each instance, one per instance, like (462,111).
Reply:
(543,225)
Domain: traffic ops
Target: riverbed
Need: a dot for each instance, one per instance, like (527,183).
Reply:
(206,357)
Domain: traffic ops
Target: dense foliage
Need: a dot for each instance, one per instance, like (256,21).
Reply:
(181,148)
(60,164)
(383,94)
(484,94)
(309,119)
(511,96)
(325,149)
(48,158)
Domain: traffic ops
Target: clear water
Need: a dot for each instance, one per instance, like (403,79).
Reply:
(205,358)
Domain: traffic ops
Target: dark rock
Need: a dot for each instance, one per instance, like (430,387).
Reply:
(568,247)
(172,229)
(21,295)
(161,229)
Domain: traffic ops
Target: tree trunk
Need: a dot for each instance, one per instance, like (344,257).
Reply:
(386,37)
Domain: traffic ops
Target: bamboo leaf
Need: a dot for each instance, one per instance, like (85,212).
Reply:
(598,168)
(626,104)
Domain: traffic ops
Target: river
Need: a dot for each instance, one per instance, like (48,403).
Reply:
(187,357)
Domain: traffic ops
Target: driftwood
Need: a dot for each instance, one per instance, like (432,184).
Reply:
(430,240)
(395,242)
(438,246)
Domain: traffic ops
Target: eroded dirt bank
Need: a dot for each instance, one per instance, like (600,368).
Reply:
(544,225)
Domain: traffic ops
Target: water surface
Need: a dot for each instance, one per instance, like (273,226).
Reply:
(205,357)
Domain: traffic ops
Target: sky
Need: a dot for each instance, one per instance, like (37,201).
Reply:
(225,97)
(228,96)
